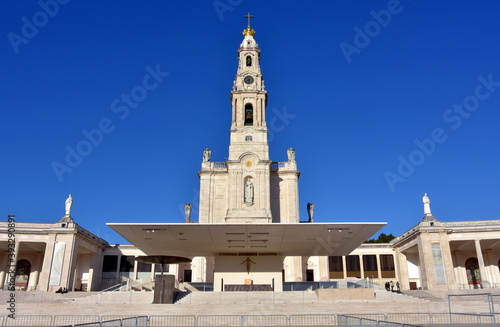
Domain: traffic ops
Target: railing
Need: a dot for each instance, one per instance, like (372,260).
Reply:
(116,286)
(459,317)
(222,166)
(200,287)
(393,319)
(477,286)
(275,166)
(308,286)
(345,320)
(74,321)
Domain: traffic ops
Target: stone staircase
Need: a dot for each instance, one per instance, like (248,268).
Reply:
(119,297)
(236,303)
(383,295)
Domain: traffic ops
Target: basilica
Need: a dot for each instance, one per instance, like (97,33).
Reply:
(249,234)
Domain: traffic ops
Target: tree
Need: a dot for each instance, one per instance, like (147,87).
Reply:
(382,238)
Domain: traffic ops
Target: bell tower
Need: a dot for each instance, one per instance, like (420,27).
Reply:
(248,187)
(248,102)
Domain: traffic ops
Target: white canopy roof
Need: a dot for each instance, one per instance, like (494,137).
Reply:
(299,239)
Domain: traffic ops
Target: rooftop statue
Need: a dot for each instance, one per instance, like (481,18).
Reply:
(68,205)
(427,205)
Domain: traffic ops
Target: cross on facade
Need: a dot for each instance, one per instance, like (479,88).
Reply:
(248,262)
(249,17)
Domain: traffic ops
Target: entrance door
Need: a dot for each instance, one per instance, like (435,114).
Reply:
(23,270)
(187,275)
(310,275)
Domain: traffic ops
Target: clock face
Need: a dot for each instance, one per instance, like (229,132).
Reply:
(248,79)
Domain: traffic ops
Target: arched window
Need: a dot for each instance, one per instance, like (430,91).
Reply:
(248,138)
(248,115)
(23,270)
(249,61)
(473,274)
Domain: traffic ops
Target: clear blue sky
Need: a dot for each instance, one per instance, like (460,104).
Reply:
(365,81)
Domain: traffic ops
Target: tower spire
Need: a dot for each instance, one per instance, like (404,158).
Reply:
(249,31)
(249,17)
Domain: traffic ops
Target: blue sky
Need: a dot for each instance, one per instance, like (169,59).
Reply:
(382,101)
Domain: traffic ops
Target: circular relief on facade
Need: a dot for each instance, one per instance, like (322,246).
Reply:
(248,163)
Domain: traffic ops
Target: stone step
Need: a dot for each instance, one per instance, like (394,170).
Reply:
(239,309)
(234,303)
(397,297)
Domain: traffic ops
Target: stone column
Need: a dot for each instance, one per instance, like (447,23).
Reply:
(344,266)
(493,268)
(117,275)
(396,268)
(451,282)
(456,269)
(174,270)
(489,268)
(480,260)
(47,263)
(361,266)
(3,269)
(303,268)
(198,269)
(400,261)
(422,251)
(35,273)
(16,252)
(74,272)
(11,262)
(135,268)
(2,275)
(379,269)
(324,273)
(73,265)
(95,271)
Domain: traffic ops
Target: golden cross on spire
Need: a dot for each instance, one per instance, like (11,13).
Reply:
(249,17)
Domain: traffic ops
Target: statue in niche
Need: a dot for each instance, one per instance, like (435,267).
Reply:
(291,154)
(206,155)
(427,205)
(249,191)
(67,205)
(310,211)
(187,212)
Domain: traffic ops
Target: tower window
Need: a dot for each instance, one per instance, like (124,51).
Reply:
(248,115)
(248,138)
(249,61)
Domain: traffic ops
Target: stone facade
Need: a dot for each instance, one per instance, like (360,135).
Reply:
(49,256)
(432,255)
(250,188)
(449,255)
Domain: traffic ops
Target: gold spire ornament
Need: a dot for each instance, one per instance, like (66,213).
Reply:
(248,31)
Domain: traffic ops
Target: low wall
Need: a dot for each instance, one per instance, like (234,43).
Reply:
(346,294)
